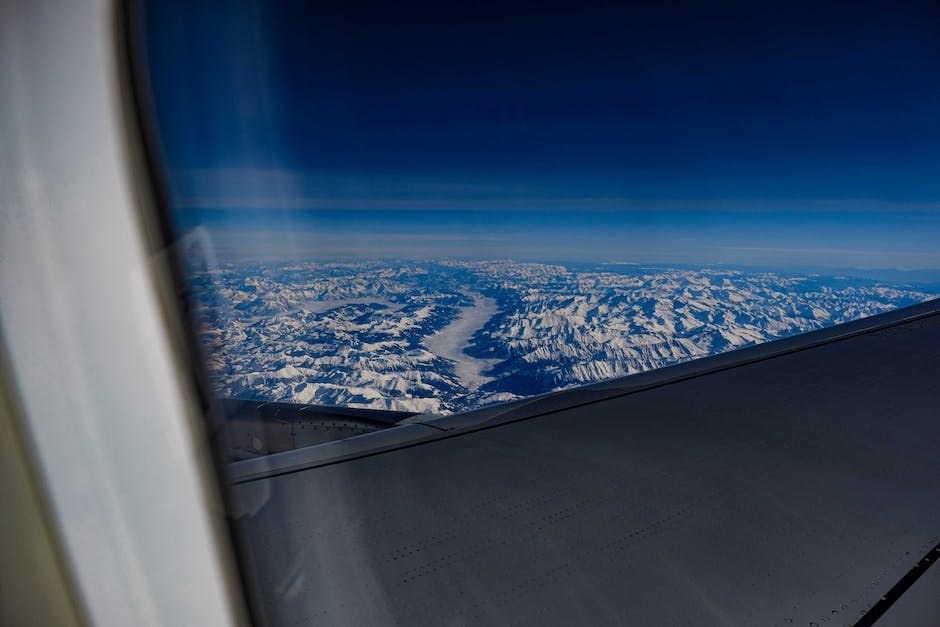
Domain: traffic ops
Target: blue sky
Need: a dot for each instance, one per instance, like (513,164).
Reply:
(799,134)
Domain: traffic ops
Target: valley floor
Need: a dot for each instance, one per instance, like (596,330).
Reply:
(451,341)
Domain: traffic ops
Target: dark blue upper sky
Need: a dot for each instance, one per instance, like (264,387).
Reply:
(644,119)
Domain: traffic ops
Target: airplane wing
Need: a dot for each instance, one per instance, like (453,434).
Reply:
(794,482)
(253,428)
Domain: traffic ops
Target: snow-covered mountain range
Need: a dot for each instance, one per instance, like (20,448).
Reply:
(451,336)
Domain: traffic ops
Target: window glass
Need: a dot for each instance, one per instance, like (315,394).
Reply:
(434,207)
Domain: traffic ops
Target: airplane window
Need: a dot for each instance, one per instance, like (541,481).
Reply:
(400,213)
(423,209)
(428,209)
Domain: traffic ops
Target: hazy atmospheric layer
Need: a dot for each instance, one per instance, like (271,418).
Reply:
(443,337)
